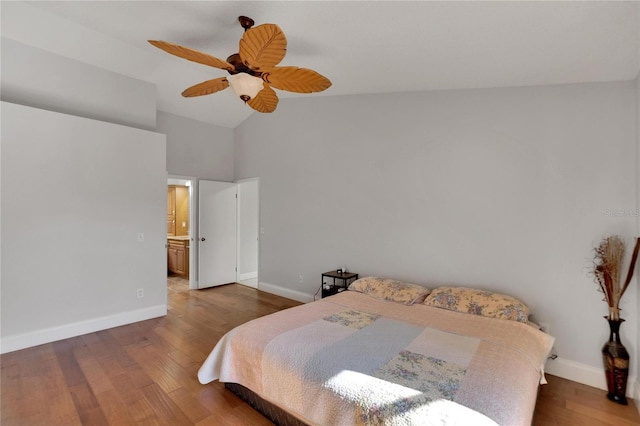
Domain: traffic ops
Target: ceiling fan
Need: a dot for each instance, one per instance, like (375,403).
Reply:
(253,71)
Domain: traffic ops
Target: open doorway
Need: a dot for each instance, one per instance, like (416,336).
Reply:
(200,229)
(180,231)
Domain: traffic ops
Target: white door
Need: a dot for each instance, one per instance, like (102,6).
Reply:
(216,233)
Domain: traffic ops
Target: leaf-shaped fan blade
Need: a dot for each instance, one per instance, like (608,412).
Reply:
(263,47)
(206,87)
(265,101)
(294,79)
(192,55)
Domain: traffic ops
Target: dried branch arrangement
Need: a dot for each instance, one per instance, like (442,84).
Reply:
(608,263)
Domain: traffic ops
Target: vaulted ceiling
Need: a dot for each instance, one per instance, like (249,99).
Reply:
(361,46)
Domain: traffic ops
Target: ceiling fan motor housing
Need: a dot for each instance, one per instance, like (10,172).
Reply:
(239,66)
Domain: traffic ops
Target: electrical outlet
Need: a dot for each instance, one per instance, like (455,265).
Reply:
(140,237)
(544,326)
(300,279)
(140,293)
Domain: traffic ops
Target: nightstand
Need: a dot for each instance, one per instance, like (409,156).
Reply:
(334,282)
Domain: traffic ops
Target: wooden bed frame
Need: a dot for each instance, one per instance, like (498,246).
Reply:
(279,416)
(274,413)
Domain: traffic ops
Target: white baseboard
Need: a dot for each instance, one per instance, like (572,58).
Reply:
(247,276)
(52,334)
(586,374)
(285,292)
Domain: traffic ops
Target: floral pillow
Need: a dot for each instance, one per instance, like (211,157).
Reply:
(392,290)
(479,302)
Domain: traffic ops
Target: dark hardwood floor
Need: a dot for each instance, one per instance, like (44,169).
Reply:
(563,402)
(145,373)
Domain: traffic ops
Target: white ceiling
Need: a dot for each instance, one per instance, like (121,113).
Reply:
(361,46)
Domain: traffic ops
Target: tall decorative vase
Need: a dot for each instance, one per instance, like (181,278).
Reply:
(616,364)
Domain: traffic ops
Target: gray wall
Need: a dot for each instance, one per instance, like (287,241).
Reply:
(41,79)
(76,193)
(504,189)
(197,149)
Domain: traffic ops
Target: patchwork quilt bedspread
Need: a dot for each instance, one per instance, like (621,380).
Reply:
(352,359)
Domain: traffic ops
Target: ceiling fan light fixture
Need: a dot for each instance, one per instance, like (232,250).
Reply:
(246,86)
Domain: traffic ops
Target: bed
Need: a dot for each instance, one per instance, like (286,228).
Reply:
(390,353)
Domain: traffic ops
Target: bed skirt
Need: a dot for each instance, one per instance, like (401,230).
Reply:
(274,413)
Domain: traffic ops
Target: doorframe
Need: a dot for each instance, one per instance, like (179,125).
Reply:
(192,183)
(193,227)
(238,251)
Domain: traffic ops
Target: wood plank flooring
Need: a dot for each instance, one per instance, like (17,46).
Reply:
(145,373)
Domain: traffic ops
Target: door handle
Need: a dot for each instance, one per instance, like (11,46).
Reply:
(202,238)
